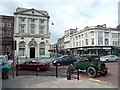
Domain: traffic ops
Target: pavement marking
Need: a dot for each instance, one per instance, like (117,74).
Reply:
(100,81)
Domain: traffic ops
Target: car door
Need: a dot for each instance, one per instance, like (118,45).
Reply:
(112,58)
(32,65)
(64,60)
(24,65)
(83,63)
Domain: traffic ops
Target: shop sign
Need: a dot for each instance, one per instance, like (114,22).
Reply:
(106,47)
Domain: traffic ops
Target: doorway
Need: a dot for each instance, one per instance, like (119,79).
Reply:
(32,52)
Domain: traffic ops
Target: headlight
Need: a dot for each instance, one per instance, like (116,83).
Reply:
(54,62)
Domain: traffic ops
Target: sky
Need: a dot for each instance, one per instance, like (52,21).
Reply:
(68,14)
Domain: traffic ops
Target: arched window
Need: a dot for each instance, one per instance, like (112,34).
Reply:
(22,48)
(42,48)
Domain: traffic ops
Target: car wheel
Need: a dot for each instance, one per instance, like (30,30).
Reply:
(18,67)
(71,68)
(58,64)
(92,72)
(116,60)
(106,60)
(103,73)
(38,69)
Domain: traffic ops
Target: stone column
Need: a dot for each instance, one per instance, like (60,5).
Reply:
(26,31)
(37,26)
(16,25)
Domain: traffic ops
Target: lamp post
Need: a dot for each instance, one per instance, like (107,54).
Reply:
(13,48)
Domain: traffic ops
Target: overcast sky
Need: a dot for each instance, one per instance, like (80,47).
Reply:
(66,14)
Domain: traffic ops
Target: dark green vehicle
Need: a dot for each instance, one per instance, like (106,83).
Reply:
(91,64)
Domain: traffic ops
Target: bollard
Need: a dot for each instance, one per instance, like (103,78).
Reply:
(37,70)
(68,75)
(56,71)
(77,74)
(16,71)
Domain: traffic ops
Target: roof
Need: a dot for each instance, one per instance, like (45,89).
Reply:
(21,10)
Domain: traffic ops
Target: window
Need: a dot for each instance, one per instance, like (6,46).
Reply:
(42,21)
(42,38)
(77,44)
(3,24)
(106,34)
(9,25)
(100,38)
(86,41)
(42,30)
(8,34)
(82,36)
(100,41)
(22,19)
(3,33)
(76,38)
(32,20)
(86,34)
(79,37)
(92,41)
(106,42)
(22,28)
(21,51)
(32,28)
(92,33)
(115,43)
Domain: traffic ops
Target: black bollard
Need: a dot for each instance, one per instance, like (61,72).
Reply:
(37,70)
(16,71)
(68,75)
(56,71)
(77,74)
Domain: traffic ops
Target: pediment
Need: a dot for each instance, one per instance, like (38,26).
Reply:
(32,43)
(32,12)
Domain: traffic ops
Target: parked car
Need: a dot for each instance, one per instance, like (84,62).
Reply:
(64,60)
(91,64)
(3,59)
(108,58)
(33,65)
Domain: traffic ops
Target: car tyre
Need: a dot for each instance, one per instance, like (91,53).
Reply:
(18,67)
(91,71)
(107,60)
(38,69)
(103,73)
(58,64)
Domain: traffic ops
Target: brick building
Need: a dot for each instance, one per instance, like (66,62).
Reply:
(6,31)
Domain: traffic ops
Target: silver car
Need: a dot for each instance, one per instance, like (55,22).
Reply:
(109,58)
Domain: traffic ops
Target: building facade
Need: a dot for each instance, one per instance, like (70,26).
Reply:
(6,34)
(95,40)
(31,32)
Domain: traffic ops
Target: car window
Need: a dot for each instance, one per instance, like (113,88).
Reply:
(32,62)
(82,58)
(95,58)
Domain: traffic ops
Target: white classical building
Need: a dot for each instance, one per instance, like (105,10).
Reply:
(31,31)
(95,40)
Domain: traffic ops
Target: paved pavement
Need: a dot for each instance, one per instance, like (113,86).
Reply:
(51,82)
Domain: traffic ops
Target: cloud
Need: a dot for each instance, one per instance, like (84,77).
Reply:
(68,14)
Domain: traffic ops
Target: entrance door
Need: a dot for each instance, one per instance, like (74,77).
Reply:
(32,52)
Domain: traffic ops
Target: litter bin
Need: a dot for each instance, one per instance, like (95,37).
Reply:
(5,69)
